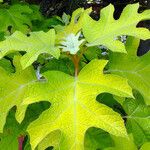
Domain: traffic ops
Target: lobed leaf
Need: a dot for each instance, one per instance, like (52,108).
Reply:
(11,132)
(13,90)
(145,146)
(97,139)
(106,30)
(74,107)
(75,24)
(121,143)
(135,69)
(37,43)
(16,16)
(138,119)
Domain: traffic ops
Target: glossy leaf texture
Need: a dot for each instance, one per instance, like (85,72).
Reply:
(35,44)
(74,107)
(135,69)
(106,30)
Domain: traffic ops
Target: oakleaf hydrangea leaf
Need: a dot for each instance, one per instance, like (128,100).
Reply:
(13,130)
(74,107)
(138,119)
(10,133)
(49,140)
(36,15)
(72,43)
(16,16)
(5,63)
(66,18)
(121,143)
(13,88)
(75,24)
(106,30)
(37,43)
(145,146)
(96,139)
(135,69)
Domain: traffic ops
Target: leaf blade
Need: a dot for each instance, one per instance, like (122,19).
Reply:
(74,108)
(107,29)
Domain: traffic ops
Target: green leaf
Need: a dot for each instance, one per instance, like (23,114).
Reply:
(15,16)
(75,24)
(145,146)
(111,101)
(74,107)
(65,18)
(62,64)
(11,133)
(36,14)
(135,69)
(97,139)
(91,53)
(36,44)
(13,130)
(107,29)
(49,140)
(13,90)
(46,24)
(123,143)
(6,64)
(138,119)
(2,34)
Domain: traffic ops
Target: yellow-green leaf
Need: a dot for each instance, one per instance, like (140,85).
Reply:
(75,24)
(106,30)
(16,16)
(35,44)
(145,146)
(135,69)
(13,88)
(74,107)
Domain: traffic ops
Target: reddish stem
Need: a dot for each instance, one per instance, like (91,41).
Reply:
(20,142)
(76,60)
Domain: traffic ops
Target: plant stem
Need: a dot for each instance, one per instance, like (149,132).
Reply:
(20,142)
(76,60)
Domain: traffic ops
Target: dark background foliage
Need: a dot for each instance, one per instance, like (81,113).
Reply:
(57,7)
